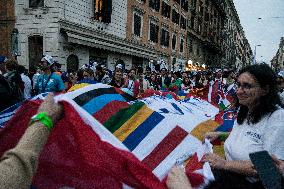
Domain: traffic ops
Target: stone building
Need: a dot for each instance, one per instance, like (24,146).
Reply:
(206,23)
(237,50)
(76,32)
(7,27)
(215,35)
(159,25)
(278,60)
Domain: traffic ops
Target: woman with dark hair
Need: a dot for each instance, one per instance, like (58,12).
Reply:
(153,82)
(186,84)
(259,126)
(117,80)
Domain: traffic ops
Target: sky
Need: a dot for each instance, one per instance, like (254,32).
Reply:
(266,31)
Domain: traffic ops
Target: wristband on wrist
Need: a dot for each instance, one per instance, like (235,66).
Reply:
(223,136)
(44,119)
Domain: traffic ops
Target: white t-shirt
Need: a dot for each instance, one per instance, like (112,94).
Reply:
(28,86)
(267,134)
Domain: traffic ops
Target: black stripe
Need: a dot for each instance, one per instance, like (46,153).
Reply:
(86,97)
(128,97)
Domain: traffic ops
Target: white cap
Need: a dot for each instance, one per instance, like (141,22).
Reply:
(119,66)
(218,70)
(48,58)
(281,74)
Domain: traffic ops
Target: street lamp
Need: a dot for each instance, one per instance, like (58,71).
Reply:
(254,56)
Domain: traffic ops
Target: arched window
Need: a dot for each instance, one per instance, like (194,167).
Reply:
(35,51)
(72,63)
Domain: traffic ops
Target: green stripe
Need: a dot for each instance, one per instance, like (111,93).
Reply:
(117,120)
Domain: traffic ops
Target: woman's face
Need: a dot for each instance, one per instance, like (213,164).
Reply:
(86,75)
(186,80)
(248,90)
(153,77)
(118,76)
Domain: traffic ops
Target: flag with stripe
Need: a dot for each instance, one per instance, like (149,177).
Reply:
(156,130)
(8,113)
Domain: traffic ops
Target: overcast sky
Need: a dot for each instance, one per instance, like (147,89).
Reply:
(265,32)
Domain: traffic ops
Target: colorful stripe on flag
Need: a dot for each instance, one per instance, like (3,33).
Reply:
(134,124)
(165,147)
(109,110)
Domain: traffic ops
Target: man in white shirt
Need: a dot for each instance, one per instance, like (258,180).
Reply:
(27,82)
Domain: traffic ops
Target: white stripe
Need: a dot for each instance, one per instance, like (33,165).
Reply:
(188,146)
(7,114)
(97,127)
(154,137)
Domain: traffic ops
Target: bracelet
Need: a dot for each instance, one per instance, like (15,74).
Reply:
(44,119)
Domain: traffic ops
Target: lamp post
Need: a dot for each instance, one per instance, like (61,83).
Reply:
(254,56)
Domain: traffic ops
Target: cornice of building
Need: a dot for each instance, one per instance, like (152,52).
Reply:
(80,34)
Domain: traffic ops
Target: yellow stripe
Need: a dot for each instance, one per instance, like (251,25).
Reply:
(78,86)
(131,124)
(204,127)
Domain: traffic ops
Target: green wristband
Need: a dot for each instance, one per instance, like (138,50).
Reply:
(44,119)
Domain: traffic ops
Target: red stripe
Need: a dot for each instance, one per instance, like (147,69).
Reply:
(165,147)
(109,110)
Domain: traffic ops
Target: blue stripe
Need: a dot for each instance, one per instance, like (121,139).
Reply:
(11,108)
(133,140)
(99,102)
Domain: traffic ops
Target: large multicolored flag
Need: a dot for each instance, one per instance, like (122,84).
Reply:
(110,140)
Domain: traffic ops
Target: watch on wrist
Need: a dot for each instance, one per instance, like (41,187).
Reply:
(44,119)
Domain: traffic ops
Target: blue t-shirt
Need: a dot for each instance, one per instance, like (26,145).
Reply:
(54,84)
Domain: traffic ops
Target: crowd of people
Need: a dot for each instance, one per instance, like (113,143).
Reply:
(18,84)
(259,125)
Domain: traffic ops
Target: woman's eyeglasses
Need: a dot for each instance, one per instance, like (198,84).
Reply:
(245,86)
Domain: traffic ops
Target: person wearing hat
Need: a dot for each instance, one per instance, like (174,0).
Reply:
(48,81)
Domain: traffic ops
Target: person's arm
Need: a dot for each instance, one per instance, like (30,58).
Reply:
(241,167)
(216,135)
(61,86)
(279,164)
(177,179)
(18,165)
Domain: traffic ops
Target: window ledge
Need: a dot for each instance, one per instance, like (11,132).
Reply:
(135,37)
(31,9)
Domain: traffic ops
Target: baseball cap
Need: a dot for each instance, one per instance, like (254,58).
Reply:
(48,58)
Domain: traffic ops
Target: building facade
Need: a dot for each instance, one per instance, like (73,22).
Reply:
(206,23)
(215,35)
(277,62)
(7,27)
(75,32)
(160,25)
(237,50)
